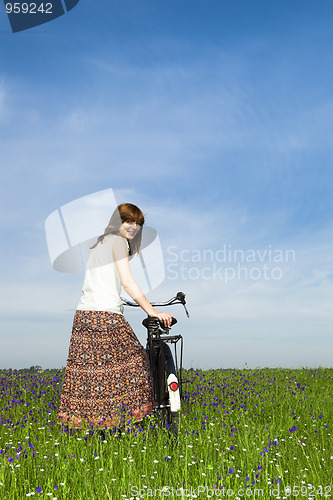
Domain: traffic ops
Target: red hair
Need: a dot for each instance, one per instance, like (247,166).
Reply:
(125,212)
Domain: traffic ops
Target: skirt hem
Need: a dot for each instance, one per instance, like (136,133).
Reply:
(132,416)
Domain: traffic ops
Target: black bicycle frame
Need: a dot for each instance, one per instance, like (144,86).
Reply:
(158,338)
(156,341)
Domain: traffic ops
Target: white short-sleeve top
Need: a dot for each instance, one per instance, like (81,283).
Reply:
(102,286)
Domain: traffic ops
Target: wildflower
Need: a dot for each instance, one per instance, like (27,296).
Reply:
(39,489)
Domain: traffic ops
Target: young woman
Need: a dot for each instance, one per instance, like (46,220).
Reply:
(107,374)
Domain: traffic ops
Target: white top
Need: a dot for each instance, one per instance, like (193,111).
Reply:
(102,285)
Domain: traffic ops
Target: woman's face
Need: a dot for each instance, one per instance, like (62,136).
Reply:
(129,229)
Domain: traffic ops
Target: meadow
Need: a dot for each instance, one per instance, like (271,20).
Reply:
(263,433)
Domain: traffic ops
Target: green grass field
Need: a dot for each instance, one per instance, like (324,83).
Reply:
(262,433)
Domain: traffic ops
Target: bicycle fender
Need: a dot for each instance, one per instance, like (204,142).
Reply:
(174,396)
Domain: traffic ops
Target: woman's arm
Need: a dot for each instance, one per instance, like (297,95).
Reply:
(130,286)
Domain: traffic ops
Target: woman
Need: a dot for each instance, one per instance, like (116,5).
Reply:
(107,373)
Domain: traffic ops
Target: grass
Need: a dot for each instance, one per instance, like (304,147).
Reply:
(243,433)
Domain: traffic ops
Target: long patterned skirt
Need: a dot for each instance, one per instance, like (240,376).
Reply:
(107,378)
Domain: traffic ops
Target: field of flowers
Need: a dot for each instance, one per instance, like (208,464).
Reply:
(262,433)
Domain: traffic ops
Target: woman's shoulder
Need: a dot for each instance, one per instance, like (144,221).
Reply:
(111,238)
(115,241)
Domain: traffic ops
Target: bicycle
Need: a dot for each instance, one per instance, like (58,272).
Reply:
(166,374)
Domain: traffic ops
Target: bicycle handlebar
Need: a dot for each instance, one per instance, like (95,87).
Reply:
(178,299)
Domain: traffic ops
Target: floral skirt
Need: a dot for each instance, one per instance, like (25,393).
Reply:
(107,379)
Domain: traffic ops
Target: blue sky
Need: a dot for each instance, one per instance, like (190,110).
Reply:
(215,118)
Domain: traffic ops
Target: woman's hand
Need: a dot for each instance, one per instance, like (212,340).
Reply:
(164,317)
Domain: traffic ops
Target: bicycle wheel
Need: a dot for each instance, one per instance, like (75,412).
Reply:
(168,395)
